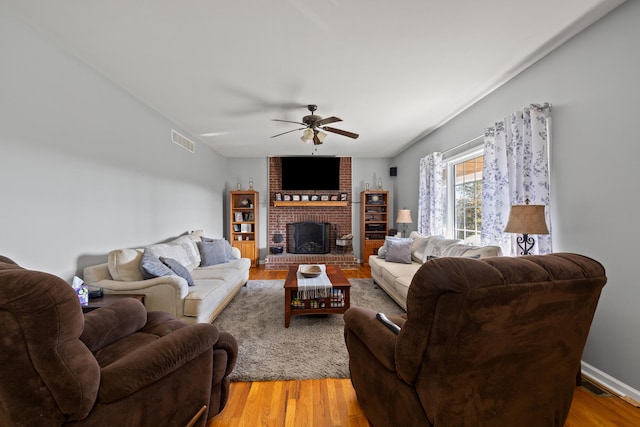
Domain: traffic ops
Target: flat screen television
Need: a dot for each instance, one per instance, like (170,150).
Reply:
(315,173)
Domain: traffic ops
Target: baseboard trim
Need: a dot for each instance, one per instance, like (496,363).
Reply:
(620,389)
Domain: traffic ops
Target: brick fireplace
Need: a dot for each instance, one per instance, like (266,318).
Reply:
(338,215)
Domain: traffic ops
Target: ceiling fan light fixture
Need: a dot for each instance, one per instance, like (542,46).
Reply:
(307,135)
(321,136)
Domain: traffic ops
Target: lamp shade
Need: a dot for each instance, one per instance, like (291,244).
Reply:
(307,135)
(321,136)
(527,219)
(404,216)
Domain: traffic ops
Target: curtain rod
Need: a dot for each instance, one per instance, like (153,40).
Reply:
(464,143)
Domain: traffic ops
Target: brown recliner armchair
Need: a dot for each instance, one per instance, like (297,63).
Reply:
(485,342)
(117,365)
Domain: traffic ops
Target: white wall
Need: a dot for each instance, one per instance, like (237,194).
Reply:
(86,168)
(592,83)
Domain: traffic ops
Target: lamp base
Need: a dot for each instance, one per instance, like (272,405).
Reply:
(404,229)
(525,243)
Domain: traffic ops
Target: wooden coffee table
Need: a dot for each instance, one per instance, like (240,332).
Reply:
(339,282)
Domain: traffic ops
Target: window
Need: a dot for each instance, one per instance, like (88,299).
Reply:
(463,182)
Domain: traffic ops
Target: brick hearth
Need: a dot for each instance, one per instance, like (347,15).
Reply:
(282,261)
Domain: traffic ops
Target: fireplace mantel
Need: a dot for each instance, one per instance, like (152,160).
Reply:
(323,203)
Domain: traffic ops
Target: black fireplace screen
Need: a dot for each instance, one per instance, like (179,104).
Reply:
(309,238)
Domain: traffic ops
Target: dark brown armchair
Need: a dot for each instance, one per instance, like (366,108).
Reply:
(485,342)
(117,365)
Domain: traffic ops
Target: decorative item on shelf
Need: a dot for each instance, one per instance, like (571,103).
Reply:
(366,186)
(343,197)
(245,202)
(404,219)
(250,183)
(379,183)
(526,219)
(278,197)
(239,186)
(373,199)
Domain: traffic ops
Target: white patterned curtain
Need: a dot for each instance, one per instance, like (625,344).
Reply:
(516,167)
(431,200)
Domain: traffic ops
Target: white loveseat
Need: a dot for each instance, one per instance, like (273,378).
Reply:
(213,287)
(395,277)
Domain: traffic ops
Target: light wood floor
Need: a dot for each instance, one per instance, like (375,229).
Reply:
(333,403)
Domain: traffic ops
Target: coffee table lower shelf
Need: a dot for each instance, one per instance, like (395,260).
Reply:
(339,283)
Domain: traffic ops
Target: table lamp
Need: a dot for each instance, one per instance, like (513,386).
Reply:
(404,219)
(526,219)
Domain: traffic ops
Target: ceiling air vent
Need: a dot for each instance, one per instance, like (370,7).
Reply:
(183,141)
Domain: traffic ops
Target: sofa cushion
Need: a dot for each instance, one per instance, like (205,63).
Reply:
(461,249)
(399,250)
(170,250)
(151,266)
(392,270)
(401,285)
(178,269)
(204,296)
(437,245)
(124,264)
(191,248)
(419,246)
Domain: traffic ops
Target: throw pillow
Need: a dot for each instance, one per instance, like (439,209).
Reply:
(213,253)
(178,269)
(382,252)
(399,250)
(227,246)
(151,266)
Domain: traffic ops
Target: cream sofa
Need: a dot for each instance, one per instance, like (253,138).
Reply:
(214,286)
(395,277)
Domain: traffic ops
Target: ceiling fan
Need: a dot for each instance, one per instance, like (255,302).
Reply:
(314,125)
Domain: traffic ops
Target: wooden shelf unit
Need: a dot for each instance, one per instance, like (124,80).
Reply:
(374,222)
(243,232)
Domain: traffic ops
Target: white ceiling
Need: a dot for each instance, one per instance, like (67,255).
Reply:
(392,70)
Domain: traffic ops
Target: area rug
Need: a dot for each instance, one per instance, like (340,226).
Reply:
(311,347)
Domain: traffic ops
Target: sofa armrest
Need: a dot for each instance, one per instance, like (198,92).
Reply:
(165,293)
(178,283)
(380,341)
(113,322)
(154,361)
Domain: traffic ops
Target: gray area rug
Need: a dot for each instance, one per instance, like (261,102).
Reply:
(312,346)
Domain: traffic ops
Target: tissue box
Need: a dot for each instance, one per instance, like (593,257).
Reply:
(83,294)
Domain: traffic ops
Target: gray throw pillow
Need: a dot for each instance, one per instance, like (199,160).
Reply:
(178,269)
(213,253)
(399,250)
(227,246)
(151,266)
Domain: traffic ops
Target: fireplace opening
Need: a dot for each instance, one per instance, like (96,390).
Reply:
(309,237)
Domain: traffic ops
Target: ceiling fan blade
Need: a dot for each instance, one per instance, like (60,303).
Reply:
(328,120)
(341,132)
(287,121)
(316,140)
(289,131)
